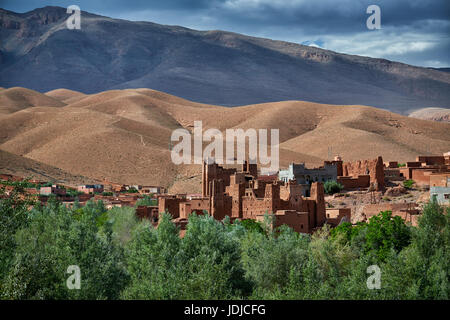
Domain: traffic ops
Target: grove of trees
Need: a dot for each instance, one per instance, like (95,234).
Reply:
(120,257)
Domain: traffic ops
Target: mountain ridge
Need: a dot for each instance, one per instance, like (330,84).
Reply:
(213,67)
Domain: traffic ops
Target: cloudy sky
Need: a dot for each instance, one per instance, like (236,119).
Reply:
(416,32)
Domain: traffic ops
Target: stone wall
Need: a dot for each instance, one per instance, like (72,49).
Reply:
(362,181)
(431,160)
(374,168)
(440,180)
(335,216)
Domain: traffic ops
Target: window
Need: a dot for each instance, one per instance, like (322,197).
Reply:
(447,196)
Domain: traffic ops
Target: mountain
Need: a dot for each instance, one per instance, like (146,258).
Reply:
(124,136)
(442,69)
(435,114)
(37,51)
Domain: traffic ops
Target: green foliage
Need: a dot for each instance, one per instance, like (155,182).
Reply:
(153,262)
(132,190)
(385,232)
(400,165)
(205,264)
(268,260)
(408,183)
(123,222)
(23,184)
(13,216)
(123,257)
(73,193)
(431,247)
(56,238)
(346,231)
(213,260)
(146,201)
(377,237)
(107,194)
(332,187)
(252,225)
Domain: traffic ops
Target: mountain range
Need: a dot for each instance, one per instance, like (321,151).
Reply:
(38,52)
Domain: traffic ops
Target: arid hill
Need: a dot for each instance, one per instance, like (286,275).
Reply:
(28,168)
(123,136)
(15,99)
(37,51)
(65,95)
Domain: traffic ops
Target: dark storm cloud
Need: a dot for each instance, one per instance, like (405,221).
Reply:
(322,14)
(331,15)
(118,6)
(413,31)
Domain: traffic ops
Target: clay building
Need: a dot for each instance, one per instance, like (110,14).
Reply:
(431,160)
(54,189)
(440,188)
(336,216)
(407,211)
(447,158)
(352,175)
(148,212)
(91,188)
(392,171)
(294,219)
(423,168)
(363,174)
(241,195)
(148,189)
(306,176)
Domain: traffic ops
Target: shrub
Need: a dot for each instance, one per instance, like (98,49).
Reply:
(252,225)
(146,201)
(332,187)
(408,183)
(73,193)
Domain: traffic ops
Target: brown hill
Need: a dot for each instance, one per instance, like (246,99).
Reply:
(15,99)
(28,168)
(66,95)
(123,136)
